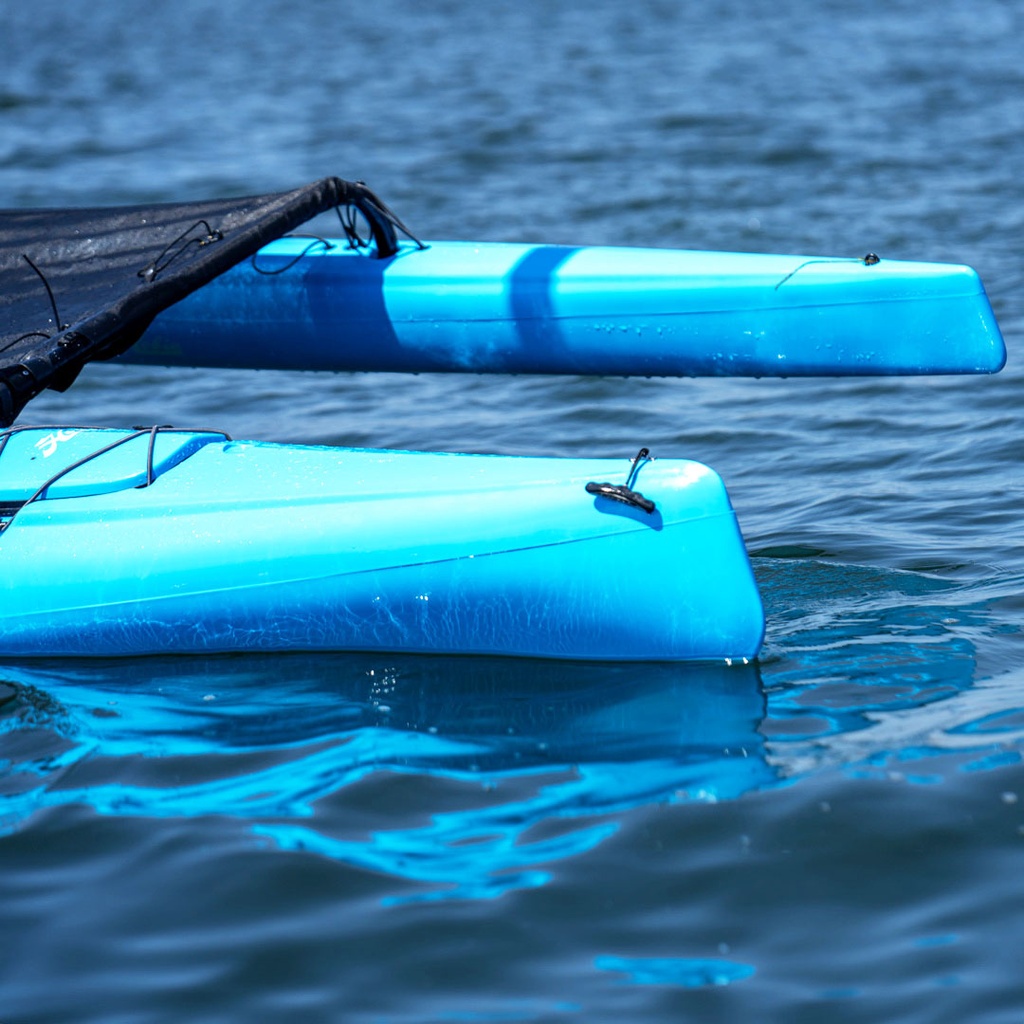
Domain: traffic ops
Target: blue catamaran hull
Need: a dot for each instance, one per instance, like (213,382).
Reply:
(141,542)
(301,303)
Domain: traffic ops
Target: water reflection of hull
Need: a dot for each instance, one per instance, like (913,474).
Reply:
(272,741)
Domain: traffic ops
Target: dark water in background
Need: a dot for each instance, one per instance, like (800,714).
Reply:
(834,834)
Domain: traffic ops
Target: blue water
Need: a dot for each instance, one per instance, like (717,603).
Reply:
(835,833)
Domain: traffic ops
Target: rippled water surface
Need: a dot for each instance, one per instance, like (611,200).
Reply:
(835,833)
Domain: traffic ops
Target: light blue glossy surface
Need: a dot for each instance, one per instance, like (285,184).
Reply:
(255,546)
(506,308)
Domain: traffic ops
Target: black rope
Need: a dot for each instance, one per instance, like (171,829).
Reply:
(392,217)
(167,257)
(154,430)
(869,261)
(22,337)
(53,305)
(288,266)
(41,491)
(348,215)
(49,292)
(376,212)
(137,432)
(347,218)
(641,455)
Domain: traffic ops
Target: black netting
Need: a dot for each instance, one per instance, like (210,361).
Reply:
(80,285)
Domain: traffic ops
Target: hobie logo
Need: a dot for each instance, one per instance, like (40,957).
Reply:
(48,445)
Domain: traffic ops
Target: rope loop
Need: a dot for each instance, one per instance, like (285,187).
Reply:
(183,241)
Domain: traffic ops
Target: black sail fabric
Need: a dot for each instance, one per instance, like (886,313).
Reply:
(83,284)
